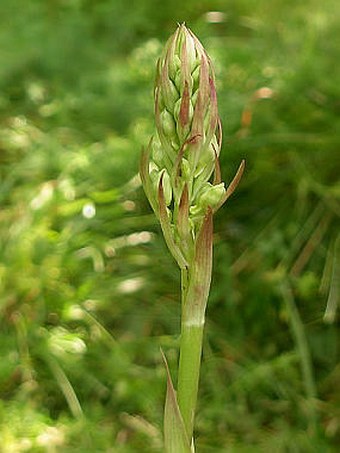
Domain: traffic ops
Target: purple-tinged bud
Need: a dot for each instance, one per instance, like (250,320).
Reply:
(180,168)
(185,88)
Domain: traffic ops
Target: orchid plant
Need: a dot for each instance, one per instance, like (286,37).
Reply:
(181,176)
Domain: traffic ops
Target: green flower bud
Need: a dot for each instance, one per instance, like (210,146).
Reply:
(167,188)
(168,124)
(169,96)
(206,164)
(158,155)
(211,195)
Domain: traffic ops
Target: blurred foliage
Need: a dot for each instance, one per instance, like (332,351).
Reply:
(88,291)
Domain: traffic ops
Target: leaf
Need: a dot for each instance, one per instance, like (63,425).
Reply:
(175,436)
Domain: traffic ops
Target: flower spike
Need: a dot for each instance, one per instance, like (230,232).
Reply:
(181,175)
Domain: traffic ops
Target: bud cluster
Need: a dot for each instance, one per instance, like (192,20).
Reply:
(180,168)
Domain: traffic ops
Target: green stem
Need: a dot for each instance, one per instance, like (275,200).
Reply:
(195,279)
(188,373)
(192,326)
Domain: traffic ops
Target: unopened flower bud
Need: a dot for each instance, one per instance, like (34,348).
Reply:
(211,195)
(185,90)
(168,124)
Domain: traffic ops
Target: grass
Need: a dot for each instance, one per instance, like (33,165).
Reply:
(97,296)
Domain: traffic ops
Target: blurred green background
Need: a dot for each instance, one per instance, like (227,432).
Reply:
(88,291)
